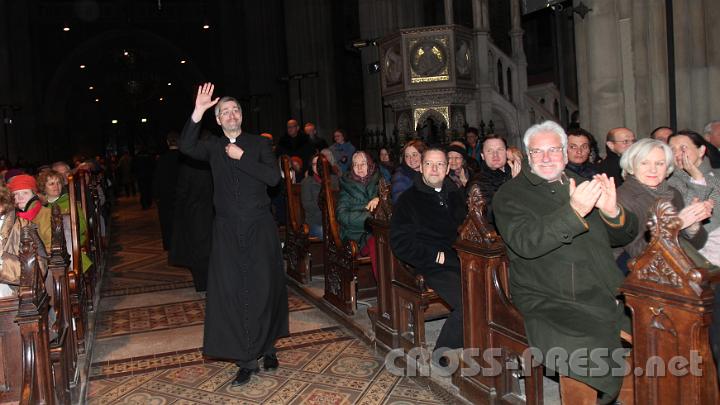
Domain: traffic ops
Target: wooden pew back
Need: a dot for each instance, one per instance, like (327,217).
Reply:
(490,319)
(345,281)
(404,301)
(296,250)
(26,374)
(671,298)
(76,278)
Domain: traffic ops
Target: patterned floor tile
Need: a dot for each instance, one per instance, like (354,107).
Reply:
(320,365)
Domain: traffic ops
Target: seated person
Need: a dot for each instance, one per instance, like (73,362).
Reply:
(559,229)
(423,229)
(405,174)
(311,186)
(579,148)
(645,167)
(358,197)
(694,178)
(459,172)
(24,190)
(386,163)
(50,184)
(495,169)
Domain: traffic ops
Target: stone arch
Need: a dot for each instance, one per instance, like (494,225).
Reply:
(510,120)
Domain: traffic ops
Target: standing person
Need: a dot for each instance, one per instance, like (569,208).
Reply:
(192,232)
(316,141)
(164,185)
(247,304)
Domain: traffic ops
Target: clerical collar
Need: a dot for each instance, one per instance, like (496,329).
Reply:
(232,140)
(438,189)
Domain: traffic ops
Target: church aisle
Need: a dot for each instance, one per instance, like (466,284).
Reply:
(148,341)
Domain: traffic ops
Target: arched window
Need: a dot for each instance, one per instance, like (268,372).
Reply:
(501,85)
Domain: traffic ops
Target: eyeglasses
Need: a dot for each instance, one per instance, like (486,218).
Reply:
(359,165)
(439,165)
(226,113)
(584,147)
(625,142)
(456,158)
(539,153)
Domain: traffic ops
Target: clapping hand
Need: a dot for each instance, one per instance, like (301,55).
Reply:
(583,198)
(607,202)
(695,212)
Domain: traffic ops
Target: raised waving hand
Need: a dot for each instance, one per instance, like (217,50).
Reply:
(204,100)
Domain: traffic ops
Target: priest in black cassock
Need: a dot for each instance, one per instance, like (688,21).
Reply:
(247,305)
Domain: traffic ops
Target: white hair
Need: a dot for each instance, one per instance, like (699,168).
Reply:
(547,126)
(709,127)
(639,151)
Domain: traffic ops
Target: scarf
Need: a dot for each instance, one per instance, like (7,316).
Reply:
(371,169)
(31,213)
(661,191)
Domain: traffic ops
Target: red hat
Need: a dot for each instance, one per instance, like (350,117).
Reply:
(297,160)
(22,182)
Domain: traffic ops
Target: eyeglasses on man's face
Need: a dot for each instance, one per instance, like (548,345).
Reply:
(625,142)
(230,111)
(554,151)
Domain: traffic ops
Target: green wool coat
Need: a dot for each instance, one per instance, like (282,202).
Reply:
(350,211)
(563,276)
(64,203)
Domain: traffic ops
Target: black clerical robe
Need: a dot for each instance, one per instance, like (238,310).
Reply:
(247,308)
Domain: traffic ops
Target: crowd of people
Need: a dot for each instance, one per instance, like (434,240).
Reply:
(570,219)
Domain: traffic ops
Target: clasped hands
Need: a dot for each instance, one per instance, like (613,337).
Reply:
(597,193)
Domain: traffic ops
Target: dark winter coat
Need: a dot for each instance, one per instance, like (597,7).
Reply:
(489,181)
(402,180)
(350,211)
(563,276)
(426,222)
(638,199)
(611,167)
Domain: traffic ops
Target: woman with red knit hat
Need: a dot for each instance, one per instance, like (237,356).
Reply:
(28,206)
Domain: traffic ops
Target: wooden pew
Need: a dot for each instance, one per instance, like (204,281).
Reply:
(490,319)
(89,247)
(302,253)
(348,277)
(672,303)
(76,278)
(26,374)
(63,348)
(404,301)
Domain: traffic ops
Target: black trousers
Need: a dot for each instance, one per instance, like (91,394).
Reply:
(447,284)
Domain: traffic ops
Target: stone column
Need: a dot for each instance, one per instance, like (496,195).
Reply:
(712,13)
(449,16)
(482,106)
(520,79)
(267,60)
(377,19)
(309,39)
(599,69)
(691,64)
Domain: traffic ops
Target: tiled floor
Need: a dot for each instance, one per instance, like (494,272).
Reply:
(149,339)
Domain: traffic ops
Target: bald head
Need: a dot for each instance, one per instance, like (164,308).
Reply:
(620,139)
